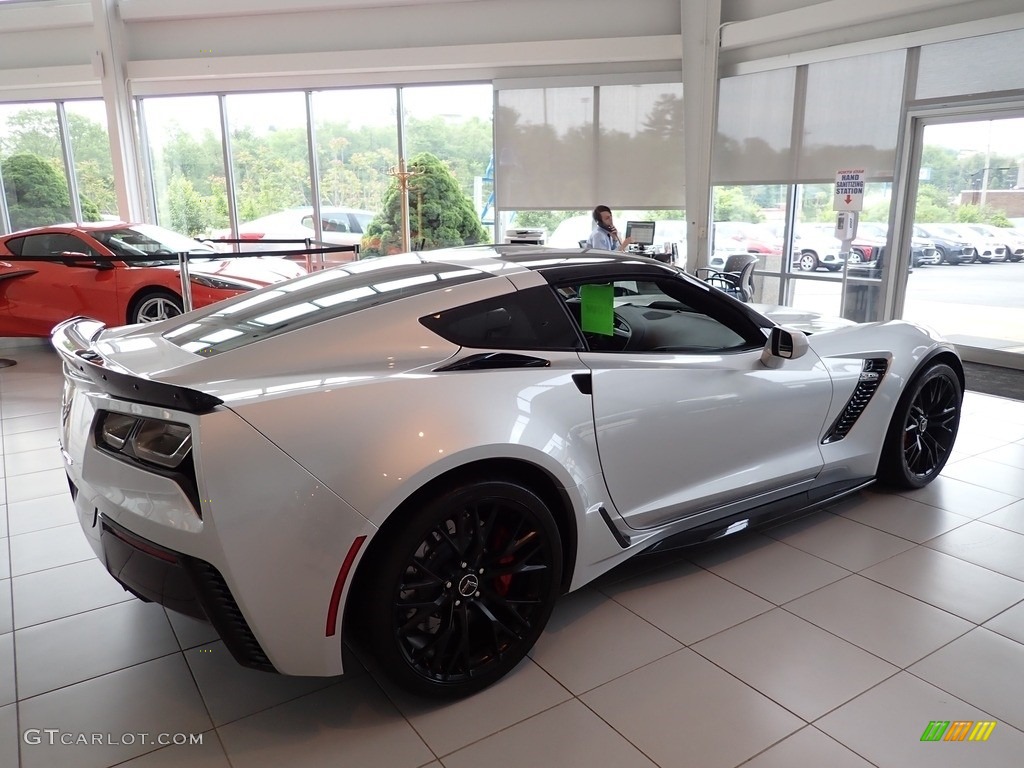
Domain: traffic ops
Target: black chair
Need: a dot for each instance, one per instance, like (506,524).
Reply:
(736,276)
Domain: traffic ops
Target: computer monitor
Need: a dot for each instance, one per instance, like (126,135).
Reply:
(642,232)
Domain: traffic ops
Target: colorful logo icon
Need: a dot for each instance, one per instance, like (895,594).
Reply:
(958,730)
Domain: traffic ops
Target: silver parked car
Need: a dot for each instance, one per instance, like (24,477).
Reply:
(423,451)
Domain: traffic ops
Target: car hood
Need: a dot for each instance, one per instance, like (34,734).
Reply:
(801,319)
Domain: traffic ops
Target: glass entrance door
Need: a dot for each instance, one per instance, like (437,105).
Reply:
(969,206)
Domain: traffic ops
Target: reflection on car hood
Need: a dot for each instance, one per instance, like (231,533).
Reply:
(801,319)
(263,270)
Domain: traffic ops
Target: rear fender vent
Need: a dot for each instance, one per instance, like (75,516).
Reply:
(872,371)
(225,615)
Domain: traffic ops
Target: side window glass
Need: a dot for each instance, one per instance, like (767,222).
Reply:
(530,319)
(63,243)
(652,316)
(53,244)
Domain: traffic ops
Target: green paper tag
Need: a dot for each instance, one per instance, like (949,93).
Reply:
(598,309)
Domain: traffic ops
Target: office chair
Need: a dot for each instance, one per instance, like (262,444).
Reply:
(735,278)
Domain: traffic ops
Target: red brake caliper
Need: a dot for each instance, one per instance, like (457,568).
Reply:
(502,584)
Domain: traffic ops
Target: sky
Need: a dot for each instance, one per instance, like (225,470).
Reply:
(1003,137)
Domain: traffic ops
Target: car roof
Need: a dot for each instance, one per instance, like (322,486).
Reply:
(87,226)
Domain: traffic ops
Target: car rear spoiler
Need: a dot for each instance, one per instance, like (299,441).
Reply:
(73,339)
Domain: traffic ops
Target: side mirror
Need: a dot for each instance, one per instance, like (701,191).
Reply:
(783,344)
(76,259)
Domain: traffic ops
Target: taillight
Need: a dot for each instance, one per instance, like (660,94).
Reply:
(251,235)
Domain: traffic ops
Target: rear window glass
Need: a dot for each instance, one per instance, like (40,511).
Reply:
(315,298)
(15,245)
(527,319)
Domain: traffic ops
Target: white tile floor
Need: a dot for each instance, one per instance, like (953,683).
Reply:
(830,641)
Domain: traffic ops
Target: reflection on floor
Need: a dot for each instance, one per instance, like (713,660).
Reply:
(832,641)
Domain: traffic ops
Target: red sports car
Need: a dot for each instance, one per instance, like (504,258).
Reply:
(116,273)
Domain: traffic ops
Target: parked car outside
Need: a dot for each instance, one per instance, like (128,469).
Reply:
(117,273)
(815,246)
(339,226)
(744,236)
(1013,244)
(422,453)
(986,249)
(922,250)
(951,247)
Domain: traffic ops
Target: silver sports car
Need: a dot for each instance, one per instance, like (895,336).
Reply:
(421,452)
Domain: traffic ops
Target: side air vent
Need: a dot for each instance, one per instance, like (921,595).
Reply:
(871,374)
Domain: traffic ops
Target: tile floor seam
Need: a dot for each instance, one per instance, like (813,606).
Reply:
(96,677)
(866,650)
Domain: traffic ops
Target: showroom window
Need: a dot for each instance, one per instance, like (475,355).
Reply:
(454,123)
(356,141)
(782,136)
(32,166)
(93,166)
(182,136)
(269,153)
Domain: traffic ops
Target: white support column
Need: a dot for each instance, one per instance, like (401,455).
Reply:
(109,66)
(701,23)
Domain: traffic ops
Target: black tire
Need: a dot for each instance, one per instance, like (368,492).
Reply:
(462,589)
(153,305)
(923,429)
(808,261)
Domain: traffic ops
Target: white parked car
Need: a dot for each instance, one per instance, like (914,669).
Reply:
(986,249)
(423,451)
(815,246)
(1012,242)
(339,226)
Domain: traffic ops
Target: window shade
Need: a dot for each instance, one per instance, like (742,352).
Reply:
(755,126)
(852,116)
(972,65)
(574,147)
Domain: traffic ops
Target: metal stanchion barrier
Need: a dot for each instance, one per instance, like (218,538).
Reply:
(186,283)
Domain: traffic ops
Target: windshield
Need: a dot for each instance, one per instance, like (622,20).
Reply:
(138,244)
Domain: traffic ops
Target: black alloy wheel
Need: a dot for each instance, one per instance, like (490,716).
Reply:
(923,429)
(464,590)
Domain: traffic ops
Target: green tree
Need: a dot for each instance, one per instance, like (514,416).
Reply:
(932,205)
(440,214)
(37,192)
(731,204)
(34,131)
(981,214)
(186,207)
